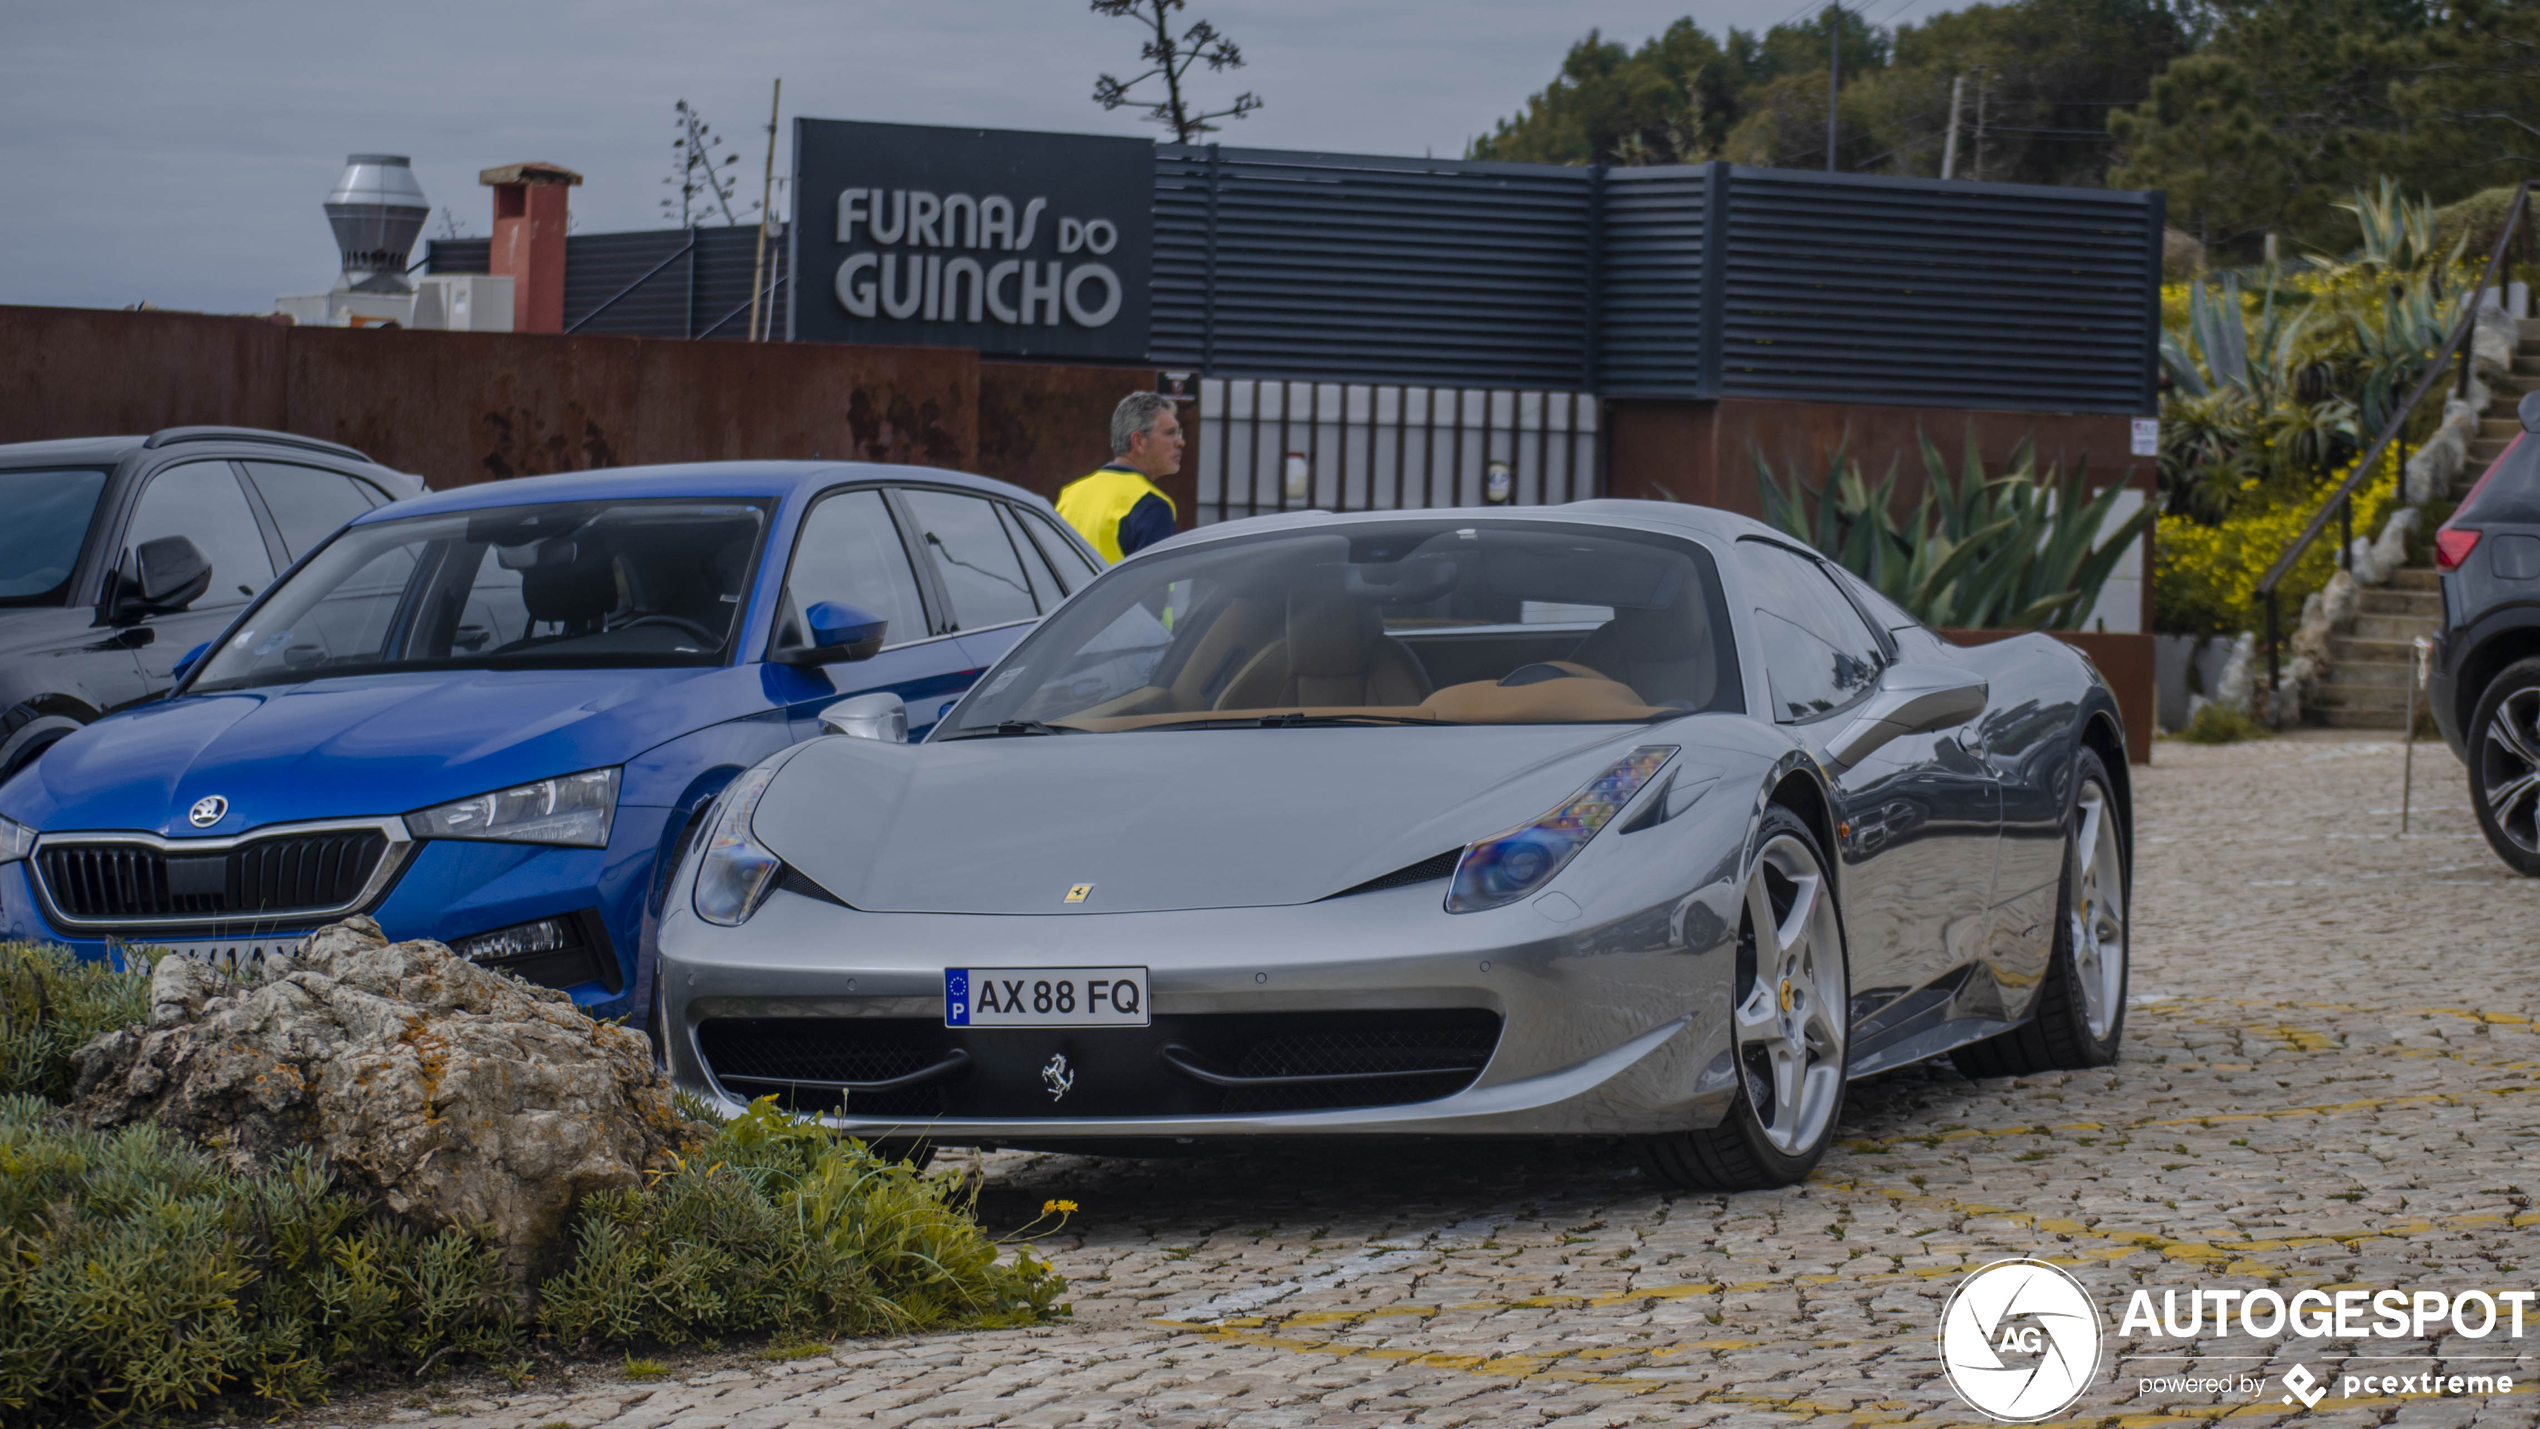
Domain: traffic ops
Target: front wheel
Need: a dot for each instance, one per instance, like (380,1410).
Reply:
(2504,766)
(2080,1017)
(1791,1026)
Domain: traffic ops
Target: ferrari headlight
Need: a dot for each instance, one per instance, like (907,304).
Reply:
(736,872)
(574,809)
(16,840)
(1506,867)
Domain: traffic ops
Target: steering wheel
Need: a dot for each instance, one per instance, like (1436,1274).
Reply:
(681,621)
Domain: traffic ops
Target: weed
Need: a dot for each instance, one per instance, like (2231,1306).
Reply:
(644,1371)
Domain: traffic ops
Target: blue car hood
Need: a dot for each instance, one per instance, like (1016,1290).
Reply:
(365,745)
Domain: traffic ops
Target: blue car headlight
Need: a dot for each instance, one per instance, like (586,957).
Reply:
(735,872)
(1506,867)
(574,809)
(16,840)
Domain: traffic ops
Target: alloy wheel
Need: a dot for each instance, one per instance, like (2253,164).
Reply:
(2098,911)
(1791,1020)
(2509,769)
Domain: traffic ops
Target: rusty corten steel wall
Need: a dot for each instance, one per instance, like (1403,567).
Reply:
(87,372)
(466,407)
(1042,425)
(457,408)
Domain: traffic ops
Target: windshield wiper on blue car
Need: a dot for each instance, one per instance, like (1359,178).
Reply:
(1013,727)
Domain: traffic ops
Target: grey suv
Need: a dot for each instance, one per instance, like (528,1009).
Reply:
(2485,686)
(120,554)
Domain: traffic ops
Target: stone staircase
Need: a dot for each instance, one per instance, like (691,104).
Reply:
(2366,686)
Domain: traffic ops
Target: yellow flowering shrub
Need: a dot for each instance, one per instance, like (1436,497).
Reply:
(2205,578)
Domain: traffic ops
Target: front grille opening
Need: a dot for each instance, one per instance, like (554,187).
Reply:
(277,877)
(756,1057)
(1206,1064)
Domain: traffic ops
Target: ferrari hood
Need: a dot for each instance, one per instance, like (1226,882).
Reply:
(1160,820)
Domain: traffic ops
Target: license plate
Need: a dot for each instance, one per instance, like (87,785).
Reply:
(1045,997)
(242,958)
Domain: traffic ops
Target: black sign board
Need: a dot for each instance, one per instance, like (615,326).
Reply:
(1017,244)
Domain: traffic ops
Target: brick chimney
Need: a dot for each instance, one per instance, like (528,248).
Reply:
(529,223)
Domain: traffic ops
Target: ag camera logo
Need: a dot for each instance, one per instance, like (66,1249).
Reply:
(2020,1340)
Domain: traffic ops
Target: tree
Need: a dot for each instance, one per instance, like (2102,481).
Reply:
(2470,100)
(2200,136)
(1169,59)
(701,182)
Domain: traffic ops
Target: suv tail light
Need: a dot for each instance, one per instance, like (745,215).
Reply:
(2452,546)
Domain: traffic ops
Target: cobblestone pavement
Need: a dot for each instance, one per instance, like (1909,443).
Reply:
(2328,1081)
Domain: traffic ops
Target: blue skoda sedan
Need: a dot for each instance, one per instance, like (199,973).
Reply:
(494,716)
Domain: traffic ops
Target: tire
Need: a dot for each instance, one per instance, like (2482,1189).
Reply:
(2504,766)
(1790,1027)
(2079,1018)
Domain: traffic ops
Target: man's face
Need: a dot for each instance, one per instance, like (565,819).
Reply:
(1157,451)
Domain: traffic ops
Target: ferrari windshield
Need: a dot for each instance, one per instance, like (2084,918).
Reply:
(1418,621)
(561,585)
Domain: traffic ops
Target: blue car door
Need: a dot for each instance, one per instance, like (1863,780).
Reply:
(850,551)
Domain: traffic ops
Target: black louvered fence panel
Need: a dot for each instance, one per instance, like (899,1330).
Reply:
(1650,288)
(653,282)
(276,877)
(1952,295)
(1371,269)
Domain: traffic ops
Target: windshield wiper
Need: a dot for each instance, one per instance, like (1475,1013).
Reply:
(1300,720)
(1014,727)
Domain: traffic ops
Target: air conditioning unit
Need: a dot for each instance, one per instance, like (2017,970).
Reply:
(463,302)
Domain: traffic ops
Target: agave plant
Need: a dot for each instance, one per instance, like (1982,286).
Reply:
(2019,549)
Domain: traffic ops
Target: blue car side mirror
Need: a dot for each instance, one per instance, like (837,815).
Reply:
(191,658)
(838,632)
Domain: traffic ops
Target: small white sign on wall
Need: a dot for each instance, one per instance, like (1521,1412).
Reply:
(2147,436)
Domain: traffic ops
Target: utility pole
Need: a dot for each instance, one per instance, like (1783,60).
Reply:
(766,190)
(1834,80)
(1949,150)
(1984,81)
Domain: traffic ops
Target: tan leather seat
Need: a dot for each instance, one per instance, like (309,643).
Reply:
(1334,652)
(1663,653)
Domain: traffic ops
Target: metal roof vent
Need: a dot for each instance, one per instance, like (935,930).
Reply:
(377,210)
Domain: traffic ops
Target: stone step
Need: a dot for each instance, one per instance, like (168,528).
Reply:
(2483,450)
(2357,719)
(2526,363)
(2422,604)
(2356,675)
(2528,329)
(2394,627)
(2344,650)
(2499,429)
(2391,700)
(2415,578)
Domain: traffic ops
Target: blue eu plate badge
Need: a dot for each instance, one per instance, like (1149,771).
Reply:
(956,997)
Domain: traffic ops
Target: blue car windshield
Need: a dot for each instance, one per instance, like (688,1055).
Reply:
(583,584)
(1426,620)
(48,522)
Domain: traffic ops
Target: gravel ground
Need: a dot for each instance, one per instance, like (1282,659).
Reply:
(2328,1082)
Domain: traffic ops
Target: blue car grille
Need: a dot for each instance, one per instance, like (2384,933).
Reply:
(265,878)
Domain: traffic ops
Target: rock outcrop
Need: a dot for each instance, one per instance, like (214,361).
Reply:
(452,1095)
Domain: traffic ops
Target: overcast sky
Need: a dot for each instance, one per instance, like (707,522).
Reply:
(178,151)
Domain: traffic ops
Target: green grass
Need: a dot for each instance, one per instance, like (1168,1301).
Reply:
(52,1002)
(2220,724)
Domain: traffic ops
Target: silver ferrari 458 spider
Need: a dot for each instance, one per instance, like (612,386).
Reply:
(1614,819)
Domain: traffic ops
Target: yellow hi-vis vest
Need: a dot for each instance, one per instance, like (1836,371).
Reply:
(1096,505)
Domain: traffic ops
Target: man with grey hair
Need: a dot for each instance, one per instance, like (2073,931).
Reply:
(1119,507)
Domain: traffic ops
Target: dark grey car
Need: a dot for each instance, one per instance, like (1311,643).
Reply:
(120,554)
(2485,685)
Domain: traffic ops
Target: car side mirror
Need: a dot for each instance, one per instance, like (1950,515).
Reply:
(839,632)
(2529,411)
(879,715)
(1911,699)
(169,573)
